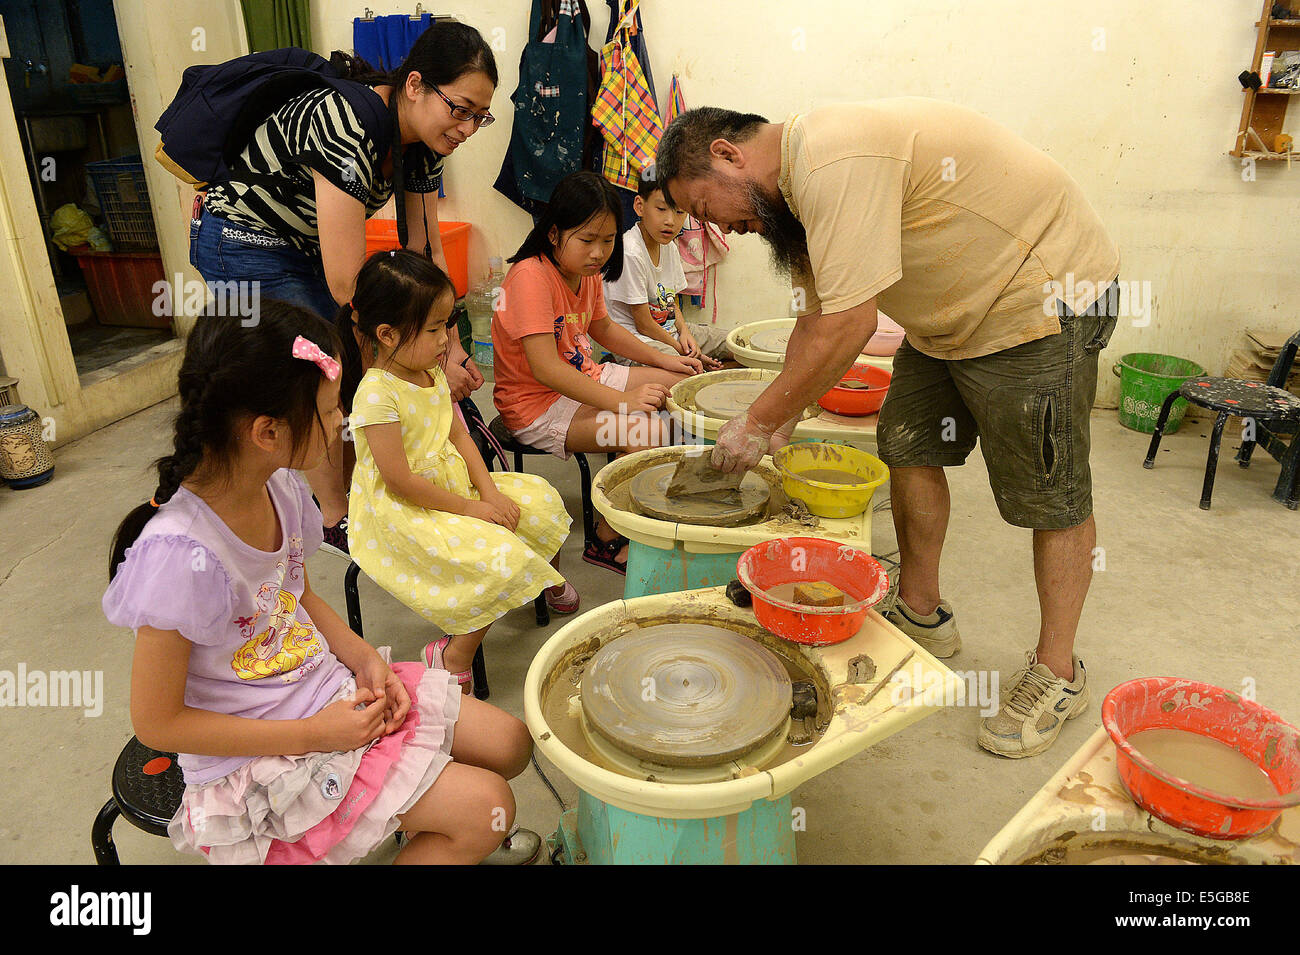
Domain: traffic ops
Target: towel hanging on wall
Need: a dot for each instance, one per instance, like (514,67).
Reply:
(384,41)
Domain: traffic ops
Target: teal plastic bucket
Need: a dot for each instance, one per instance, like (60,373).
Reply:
(1146,379)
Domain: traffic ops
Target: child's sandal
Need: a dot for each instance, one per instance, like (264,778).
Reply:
(433,660)
(605,554)
(565,602)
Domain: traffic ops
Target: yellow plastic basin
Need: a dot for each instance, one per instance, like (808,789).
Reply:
(823,498)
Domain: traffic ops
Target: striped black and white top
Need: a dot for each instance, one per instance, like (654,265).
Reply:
(271,186)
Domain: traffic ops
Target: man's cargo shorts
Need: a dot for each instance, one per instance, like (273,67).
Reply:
(1029,407)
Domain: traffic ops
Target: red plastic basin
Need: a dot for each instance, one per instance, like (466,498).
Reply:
(1257,733)
(858,402)
(802,559)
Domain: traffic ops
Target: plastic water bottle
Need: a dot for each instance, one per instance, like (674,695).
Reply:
(479,305)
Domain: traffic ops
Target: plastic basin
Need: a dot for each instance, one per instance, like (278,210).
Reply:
(823,498)
(889,335)
(1253,730)
(858,402)
(381,235)
(1146,379)
(803,559)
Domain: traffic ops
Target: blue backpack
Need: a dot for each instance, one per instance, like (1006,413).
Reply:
(218,107)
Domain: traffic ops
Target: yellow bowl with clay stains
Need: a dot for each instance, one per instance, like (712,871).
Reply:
(832,480)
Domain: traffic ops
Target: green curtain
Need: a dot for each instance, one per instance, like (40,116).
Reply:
(273,24)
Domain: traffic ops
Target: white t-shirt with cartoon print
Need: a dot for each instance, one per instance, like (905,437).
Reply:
(644,283)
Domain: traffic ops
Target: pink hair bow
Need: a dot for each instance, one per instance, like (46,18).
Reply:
(302,348)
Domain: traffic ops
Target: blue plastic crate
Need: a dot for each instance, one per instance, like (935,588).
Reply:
(124,199)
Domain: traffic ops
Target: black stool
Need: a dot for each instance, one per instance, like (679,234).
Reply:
(513,446)
(352,596)
(147,790)
(1247,399)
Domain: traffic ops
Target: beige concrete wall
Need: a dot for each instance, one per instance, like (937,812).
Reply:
(1138,100)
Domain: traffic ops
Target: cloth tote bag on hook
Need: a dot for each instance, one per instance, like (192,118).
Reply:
(550,107)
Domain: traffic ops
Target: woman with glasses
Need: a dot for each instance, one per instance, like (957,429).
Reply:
(291,218)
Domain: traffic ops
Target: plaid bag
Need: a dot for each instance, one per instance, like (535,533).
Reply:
(625,110)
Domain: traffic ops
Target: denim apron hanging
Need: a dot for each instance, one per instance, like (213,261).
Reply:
(550,109)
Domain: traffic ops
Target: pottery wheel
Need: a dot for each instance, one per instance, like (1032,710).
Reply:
(728,399)
(686,694)
(649,493)
(771,339)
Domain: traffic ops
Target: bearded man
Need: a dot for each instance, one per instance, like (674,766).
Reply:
(988,255)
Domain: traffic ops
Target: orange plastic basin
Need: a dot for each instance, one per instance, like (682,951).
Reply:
(1257,733)
(858,402)
(802,559)
(381,235)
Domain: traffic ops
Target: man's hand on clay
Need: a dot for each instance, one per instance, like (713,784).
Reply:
(742,443)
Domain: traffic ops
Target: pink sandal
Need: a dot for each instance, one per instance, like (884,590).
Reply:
(433,659)
(565,602)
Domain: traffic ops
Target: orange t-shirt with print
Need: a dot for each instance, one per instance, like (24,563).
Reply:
(535,300)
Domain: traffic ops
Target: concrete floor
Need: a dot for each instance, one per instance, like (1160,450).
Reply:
(1209,595)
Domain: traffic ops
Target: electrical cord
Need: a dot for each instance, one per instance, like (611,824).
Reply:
(537,766)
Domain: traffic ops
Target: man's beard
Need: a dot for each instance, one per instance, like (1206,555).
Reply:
(785,235)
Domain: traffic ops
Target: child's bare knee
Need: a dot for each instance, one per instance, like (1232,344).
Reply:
(518,746)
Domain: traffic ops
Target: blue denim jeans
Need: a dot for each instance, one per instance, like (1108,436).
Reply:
(224,251)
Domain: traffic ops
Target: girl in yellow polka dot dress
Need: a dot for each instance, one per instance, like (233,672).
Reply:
(427,520)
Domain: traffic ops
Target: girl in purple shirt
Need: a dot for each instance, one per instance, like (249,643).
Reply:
(299,742)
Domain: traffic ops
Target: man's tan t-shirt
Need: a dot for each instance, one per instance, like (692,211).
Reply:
(953,223)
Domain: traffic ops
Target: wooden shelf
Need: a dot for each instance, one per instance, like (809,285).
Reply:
(1264,111)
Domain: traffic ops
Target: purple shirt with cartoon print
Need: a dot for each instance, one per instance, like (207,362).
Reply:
(256,652)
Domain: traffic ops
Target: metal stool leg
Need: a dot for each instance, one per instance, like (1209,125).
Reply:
(1212,464)
(352,596)
(588,511)
(542,609)
(101,834)
(1247,445)
(1150,462)
(1287,490)
(479,669)
(519,462)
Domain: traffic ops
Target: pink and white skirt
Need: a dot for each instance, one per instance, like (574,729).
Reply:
(325,807)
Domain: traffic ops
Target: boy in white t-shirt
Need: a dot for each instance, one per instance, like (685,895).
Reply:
(644,299)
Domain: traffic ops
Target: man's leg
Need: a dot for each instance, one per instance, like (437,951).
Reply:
(920,503)
(924,426)
(1062,573)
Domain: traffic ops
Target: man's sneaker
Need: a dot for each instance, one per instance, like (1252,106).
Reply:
(336,539)
(936,634)
(1034,708)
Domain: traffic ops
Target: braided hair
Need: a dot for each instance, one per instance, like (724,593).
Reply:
(232,373)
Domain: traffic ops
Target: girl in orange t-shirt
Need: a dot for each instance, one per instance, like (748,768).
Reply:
(550,392)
